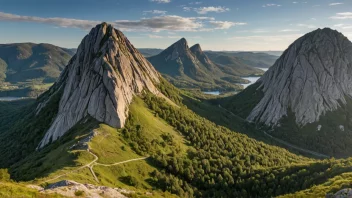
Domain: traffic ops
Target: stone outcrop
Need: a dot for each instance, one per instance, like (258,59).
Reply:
(69,188)
(312,77)
(100,81)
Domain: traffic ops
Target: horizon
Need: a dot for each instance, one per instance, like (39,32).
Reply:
(216,25)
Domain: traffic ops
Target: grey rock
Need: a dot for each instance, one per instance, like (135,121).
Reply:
(312,77)
(100,81)
(344,193)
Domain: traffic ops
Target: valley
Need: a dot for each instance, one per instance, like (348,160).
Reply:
(107,119)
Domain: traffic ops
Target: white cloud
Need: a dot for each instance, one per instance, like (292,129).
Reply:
(187,9)
(195,3)
(171,23)
(161,1)
(272,38)
(289,30)
(335,4)
(155,36)
(62,22)
(206,18)
(343,26)
(339,25)
(155,12)
(271,5)
(295,2)
(159,23)
(342,15)
(205,10)
(306,26)
(224,24)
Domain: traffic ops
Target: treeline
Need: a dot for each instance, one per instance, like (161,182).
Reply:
(228,164)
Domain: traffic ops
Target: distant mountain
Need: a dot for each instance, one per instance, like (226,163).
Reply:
(25,68)
(191,68)
(306,96)
(274,53)
(27,61)
(147,52)
(230,64)
(253,59)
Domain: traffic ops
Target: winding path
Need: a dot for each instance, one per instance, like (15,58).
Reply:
(93,163)
(279,140)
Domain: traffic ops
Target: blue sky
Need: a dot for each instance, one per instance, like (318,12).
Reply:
(249,25)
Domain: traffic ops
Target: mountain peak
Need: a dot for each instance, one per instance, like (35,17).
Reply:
(196,48)
(311,78)
(181,44)
(99,81)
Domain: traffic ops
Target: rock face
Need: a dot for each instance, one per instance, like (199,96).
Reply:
(69,188)
(100,81)
(344,193)
(312,77)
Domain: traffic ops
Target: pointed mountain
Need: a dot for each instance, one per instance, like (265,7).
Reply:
(198,52)
(306,94)
(99,82)
(191,68)
(178,60)
(203,58)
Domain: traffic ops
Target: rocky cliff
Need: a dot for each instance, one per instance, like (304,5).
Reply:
(311,78)
(99,81)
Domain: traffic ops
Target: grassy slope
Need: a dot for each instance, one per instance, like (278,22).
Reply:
(331,186)
(14,190)
(109,146)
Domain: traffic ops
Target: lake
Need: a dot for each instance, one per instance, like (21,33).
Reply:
(10,98)
(212,92)
(253,79)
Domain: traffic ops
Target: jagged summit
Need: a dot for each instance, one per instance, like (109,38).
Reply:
(178,49)
(196,48)
(311,78)
(202,57)
(99,81)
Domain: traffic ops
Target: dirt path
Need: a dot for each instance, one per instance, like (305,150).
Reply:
(82,167)
(93,163)
(281,141)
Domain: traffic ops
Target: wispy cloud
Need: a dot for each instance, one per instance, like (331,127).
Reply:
(205,10)
(195,3)
(154,12)
(335,4)
(271,5)
(289,30)
(268,38)
(224,24)
(62,22)
(154,36)
(187,9)
(163,22)
(342,15)
(343,26)
(159,23)
(161,1)
(309,26)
